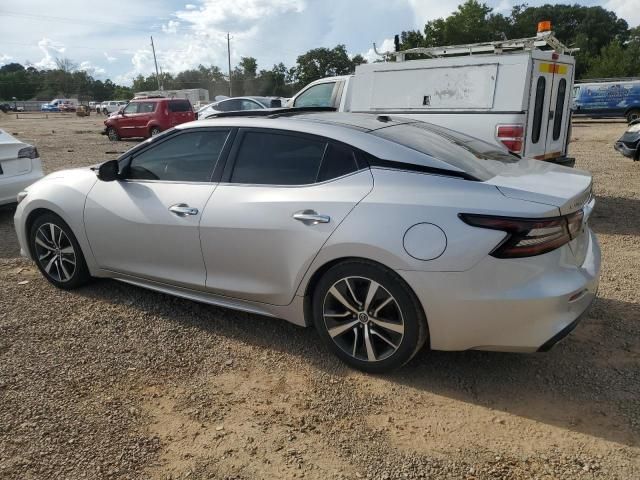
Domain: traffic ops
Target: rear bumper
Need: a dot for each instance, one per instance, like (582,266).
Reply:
(517,305)
(625,150)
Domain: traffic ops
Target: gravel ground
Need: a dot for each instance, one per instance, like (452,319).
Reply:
(113,381)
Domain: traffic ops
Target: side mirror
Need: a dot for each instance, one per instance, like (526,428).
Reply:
(109,171)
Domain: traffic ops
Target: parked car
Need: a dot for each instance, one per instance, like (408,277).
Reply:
(48,107)
(602,99)
(237,104)
(629,143)
(20,166)
(148,117)
(112,106)
(67,106)
(93,106)
(385,233)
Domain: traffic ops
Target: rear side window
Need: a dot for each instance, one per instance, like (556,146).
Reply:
(470,155)
(277,159)
(338,161)
(537,111)
(179,106)
(185,157)
(557,121)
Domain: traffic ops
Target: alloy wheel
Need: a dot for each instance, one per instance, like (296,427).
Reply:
(363,319)
(55,252)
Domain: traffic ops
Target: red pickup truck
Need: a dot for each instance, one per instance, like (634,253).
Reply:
(148,117)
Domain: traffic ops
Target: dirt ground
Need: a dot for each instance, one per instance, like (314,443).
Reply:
(113,381)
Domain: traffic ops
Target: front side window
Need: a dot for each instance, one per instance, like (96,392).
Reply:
(316,96)
(131,108)
(278,159)
(185,157)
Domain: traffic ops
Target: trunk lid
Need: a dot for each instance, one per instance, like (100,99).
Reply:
(10,164)
(568,189)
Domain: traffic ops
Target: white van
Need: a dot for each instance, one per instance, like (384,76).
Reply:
(510,92)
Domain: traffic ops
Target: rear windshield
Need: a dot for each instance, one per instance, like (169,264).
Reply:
(479,159)
(179,106)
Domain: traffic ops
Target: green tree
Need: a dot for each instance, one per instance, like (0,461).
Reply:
(325,62)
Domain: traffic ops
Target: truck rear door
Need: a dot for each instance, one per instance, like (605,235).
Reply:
(548,119)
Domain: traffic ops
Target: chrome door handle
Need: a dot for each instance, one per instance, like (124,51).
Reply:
(182,210)
(311,217)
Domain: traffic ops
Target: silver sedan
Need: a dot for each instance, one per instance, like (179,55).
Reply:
(385,233)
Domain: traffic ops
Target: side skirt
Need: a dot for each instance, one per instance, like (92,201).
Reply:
(293,313)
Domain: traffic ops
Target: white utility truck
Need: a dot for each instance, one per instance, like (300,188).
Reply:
(514,93)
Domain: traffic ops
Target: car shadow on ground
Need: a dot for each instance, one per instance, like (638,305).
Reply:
(585,384)
(616,216)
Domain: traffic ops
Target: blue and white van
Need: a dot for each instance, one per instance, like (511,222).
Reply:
(607,99)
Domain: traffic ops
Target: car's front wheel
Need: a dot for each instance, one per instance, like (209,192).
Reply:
(633,115)
(368,316)
(112,133)
(57,252)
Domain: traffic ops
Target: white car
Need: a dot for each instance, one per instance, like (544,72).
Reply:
(20,166)
(385,233)
(235,104)
(112,106)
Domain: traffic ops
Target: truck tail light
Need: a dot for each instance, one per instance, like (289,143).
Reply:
(511,136)
(528,237)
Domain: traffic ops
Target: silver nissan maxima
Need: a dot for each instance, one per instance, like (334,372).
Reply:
(385,233)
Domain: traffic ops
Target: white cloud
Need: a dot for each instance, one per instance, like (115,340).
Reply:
(627,9)
(109,58)
(171,27)
(50,49)
(93,70)
(4,58)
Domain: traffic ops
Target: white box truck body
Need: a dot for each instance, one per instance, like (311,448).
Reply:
(519,101)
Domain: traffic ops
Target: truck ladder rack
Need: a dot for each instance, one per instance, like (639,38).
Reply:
(495,47)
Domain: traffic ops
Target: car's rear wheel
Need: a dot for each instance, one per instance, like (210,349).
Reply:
(368,316)
(154,131)
(112,133)
(57,252)
(633,115)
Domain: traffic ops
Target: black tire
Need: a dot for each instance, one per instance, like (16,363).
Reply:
(153,131)
(62,272)
(403,311)
(112,133)
(633,115)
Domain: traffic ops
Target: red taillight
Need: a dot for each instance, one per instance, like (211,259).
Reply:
(528,237)
(511,136)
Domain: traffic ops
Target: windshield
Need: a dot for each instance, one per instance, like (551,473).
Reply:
(480,159)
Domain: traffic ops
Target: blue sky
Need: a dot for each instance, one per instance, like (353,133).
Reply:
(111,40)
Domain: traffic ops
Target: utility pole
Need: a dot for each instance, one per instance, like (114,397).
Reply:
(229,59)
(153,49)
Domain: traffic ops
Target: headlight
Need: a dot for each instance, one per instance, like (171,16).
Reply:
(634,128)
(21,195)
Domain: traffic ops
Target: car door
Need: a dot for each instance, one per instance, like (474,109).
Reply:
(282,196)
(180,111)
(146,224)
(126,122)
(559,117)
